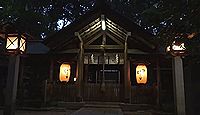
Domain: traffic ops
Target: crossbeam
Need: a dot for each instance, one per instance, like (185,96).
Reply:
(104,47)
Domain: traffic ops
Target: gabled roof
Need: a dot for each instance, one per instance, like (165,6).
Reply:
(117,27)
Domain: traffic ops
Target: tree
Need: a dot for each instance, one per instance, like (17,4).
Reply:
(41,18)
(165,19)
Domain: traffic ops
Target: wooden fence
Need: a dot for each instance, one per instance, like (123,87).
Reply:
(95,92)
(143,95)
(90,92)
(109,92)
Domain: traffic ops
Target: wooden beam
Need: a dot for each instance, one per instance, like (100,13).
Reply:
(89,31)
(93,39)
(92,32)
(136,51)
(115,32)
(90,25)
(104,47)
(158,81)
(121,29)
(114,39)
(115,36)
(179,89)
(127,86)
(116,28)
(104,39)
(69,51)
(90,28)
(80,68)
(51,72)
(11,85)
(78,35)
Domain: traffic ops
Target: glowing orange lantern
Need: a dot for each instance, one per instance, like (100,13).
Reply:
(141,74)
(65,70)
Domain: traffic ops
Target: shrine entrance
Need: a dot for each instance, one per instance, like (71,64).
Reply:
(102,65)
(103,76)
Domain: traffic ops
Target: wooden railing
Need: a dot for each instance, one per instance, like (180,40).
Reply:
(143,95)
(96,92)
(91,92)
(61,92)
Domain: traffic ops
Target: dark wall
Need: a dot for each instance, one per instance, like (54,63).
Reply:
(34,71)
(3,76)
(192,88)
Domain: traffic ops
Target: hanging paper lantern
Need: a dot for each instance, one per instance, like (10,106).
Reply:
(65,70)
(141,74)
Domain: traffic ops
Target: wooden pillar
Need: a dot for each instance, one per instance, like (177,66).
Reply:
(178,81)
(80,68)
(51,71)
(158,81)
(126,76)
(129,80)
(20,81)
(103,73)
(21,74)
(11,85)
(86,70)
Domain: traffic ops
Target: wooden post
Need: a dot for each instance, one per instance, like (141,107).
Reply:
(45,91)
(158,81)
(103,74)
(80,68)
(21,81)
(11,85)
(51,71)
(178,81)
(126,77)
(129,81)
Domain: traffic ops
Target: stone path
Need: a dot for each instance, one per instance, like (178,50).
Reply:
(24,112)
(98,111)
(86,111)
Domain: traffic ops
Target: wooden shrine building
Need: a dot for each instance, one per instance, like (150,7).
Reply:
(103,56)
(103,50)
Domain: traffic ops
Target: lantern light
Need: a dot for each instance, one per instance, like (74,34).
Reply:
(141,74)
(176,48)
(180,47)
(103,22)
(74,79)
(15,43)
(65,70)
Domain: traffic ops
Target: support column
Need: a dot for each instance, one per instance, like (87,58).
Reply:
(103,76)
(158,81)
(126,76)
(129,80)
(178,81)
(11,85)
(80,69)
(21,81)
(51,71)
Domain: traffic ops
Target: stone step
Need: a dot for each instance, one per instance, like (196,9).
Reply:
(101,106)
(71,105)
